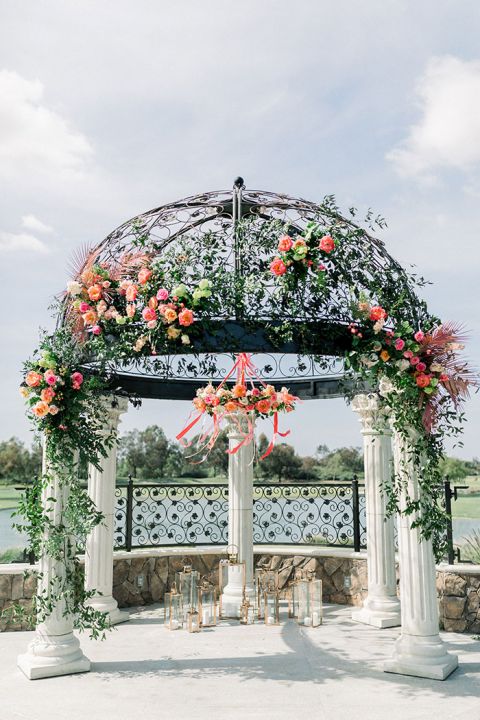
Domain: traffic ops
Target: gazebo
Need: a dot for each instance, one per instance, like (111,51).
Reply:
(300,331)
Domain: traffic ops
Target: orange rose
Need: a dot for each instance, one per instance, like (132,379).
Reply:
(144,276)
(33,379)
(170,315)
(422,380)
(94,292)
(385,355)
(239,391)
(185,318)
(377,313)
(153,303)
(231,406)
(90,317)
(40,409)
(131,293)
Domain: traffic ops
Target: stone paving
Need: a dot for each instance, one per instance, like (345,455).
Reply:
(240,673)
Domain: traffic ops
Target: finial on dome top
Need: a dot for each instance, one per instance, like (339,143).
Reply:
(239,182)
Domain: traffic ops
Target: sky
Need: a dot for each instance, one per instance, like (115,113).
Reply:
(110,108)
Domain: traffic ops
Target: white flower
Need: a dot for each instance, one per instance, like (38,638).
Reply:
(402,365)
(74,288)
(378,326)
(436,367)
(369,360)
(385,386)
(185,340)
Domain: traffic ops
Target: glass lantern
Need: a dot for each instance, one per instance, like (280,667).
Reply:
(264,580)
(173,609)
(207,605)
(292,594)
(310,609)
(271,606)
(187,583)
(193,621)
(247,612)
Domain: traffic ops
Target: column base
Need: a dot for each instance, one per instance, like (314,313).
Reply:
(419,656)
(49,656)
(379,614)
(108,605)
(232,599)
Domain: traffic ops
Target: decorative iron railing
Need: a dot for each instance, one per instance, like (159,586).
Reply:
(326,513)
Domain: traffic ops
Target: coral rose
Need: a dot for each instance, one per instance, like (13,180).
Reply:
(422,380)
(285,243)
(76,379)
(153,303)
(131,293)
(278,267)
(377,313)
(53,409)
(95,292)
(33,379)
(263,406)
(170,315)
(131,310)
(185,318)
(327,244)
(231,406)
(149,314)
(90,317)
(47,395)
(40,409)
(144,276)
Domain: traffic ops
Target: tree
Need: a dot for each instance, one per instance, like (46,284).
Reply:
(281,463)
(148,454)
(17,462)
(454,468)
(342,463)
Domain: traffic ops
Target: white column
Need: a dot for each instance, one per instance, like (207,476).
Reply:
(99,547)
(240,518)
(381,607)
(54,650)
(419,650)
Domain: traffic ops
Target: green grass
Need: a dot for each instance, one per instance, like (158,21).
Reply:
(9,497)
(466,506)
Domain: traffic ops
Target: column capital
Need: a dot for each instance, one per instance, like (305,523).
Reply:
(373,418)
(113,406)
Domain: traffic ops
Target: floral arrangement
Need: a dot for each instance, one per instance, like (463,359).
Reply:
(102,299)
(49,391)
(420,364)
(244,400)
(303,253)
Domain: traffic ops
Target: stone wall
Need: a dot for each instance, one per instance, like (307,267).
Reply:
(140,580)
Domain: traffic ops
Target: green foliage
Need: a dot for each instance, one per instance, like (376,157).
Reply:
(282,463)
(454,468)
(471,548)
(341,464)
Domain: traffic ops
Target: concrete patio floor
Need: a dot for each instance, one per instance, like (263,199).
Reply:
(333,672)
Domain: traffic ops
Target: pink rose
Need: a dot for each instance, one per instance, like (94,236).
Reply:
(77,380)
(419,336)
(399,344)
(408,354)
(414,360)
(185,317)
(149,314)
(278,267)
(50,377)
(84,307)
(162,294)
(255,392)
(96,330)
(285,243)
(151,324)
(322,267)
(327,244)
(421,367)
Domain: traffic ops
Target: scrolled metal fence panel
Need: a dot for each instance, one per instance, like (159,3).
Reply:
(331,514)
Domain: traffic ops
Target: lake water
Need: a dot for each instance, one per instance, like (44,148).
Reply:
(10,538)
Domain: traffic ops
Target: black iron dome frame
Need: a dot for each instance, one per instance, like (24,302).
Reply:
(310,361)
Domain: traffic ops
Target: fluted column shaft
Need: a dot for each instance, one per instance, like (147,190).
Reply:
(381,607)
(99,547)
(240,517)
(54,650)
(419,650)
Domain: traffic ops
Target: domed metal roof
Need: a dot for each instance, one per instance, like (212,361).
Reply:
(236,230)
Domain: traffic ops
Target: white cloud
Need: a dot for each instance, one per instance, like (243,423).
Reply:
(33,138)
(30,222)
(21,242)
(448,132)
